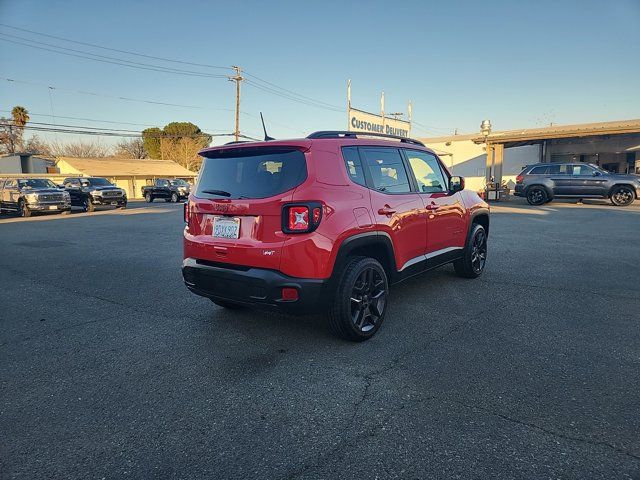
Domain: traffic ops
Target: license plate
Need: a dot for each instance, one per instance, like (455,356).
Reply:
(53,207)
(225,227)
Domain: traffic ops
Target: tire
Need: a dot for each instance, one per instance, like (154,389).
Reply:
(227,305)
(622,196)
(123,206)
(360,301)
(174,197)
(148,197)
(474,257)
(23,210)
(87,205)
(537,196)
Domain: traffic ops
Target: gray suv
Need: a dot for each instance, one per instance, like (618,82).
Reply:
(542,182)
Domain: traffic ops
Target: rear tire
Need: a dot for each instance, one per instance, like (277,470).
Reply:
(227,305)
(148,197)
(360,301)
(622,196)
(537,196)
(174,198)
(474,258)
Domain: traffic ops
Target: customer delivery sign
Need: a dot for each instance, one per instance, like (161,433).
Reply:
(361,121)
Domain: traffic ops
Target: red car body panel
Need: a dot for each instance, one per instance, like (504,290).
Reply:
(418,224)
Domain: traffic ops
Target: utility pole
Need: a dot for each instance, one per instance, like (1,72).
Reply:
(237,78)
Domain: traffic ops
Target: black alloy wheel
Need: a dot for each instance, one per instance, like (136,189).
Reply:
(174,197)
(537,196)
(622,196)
(148,197)
(360,301)
(479,251)
(368,299)
(474,257)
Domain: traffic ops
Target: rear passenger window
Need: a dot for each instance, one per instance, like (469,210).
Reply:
(353,164)
(387,169)
(541,170)
(562,169)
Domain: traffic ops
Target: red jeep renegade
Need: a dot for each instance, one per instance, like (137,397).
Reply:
(327,222)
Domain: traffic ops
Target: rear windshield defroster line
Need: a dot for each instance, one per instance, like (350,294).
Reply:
(251,173)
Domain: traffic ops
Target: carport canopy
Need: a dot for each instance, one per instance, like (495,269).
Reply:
(496,142)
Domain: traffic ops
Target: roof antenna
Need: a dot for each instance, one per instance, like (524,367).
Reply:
(266,137)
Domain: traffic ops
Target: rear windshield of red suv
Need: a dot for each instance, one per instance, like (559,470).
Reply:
(259,173)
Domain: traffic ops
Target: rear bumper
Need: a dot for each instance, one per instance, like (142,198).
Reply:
(518,191)
(254,287)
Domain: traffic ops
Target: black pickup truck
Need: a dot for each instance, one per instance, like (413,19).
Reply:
(89,192)
(171,190)
(26,196)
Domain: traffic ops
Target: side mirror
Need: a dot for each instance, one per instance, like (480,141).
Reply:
(596,173)
(456,184)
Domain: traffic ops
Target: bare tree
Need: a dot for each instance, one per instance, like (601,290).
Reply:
(37,146)
(80,149)
(133,148)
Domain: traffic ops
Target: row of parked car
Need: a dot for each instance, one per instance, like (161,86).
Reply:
(26,196)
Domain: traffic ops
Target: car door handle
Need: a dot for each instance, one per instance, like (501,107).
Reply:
(386,210)
(433,207)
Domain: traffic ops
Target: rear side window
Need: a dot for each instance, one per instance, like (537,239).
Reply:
(251,173)
(354,165)
(559,169)
(387,169)
(540,170)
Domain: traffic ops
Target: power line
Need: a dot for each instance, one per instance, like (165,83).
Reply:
(80,130)
(115,49)
(129,99)
(258,82)
(164,59)
(291,92)
(292,98)
(106,59)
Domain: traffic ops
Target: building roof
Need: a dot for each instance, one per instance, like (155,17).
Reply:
(448,138)
(114,167)
(525,135)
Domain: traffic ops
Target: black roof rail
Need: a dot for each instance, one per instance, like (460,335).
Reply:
(348,134)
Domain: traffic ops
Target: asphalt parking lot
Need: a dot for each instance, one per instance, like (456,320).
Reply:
(110,368)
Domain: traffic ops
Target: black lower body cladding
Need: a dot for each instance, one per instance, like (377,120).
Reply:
(254,287)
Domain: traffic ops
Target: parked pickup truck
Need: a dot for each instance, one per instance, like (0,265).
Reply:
(26,196)
(88,192)
(171,190)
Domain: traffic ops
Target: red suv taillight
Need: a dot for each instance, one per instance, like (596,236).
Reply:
(301,217)
(519,179)
(186,212)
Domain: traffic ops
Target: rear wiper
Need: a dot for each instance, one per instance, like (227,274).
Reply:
(222,193)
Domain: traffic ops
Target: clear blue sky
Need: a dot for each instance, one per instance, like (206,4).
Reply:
(520,64)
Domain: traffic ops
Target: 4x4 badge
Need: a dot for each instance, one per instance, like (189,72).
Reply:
(268,253)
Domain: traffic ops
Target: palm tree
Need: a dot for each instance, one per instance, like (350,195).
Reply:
(20,116)
(13,131)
